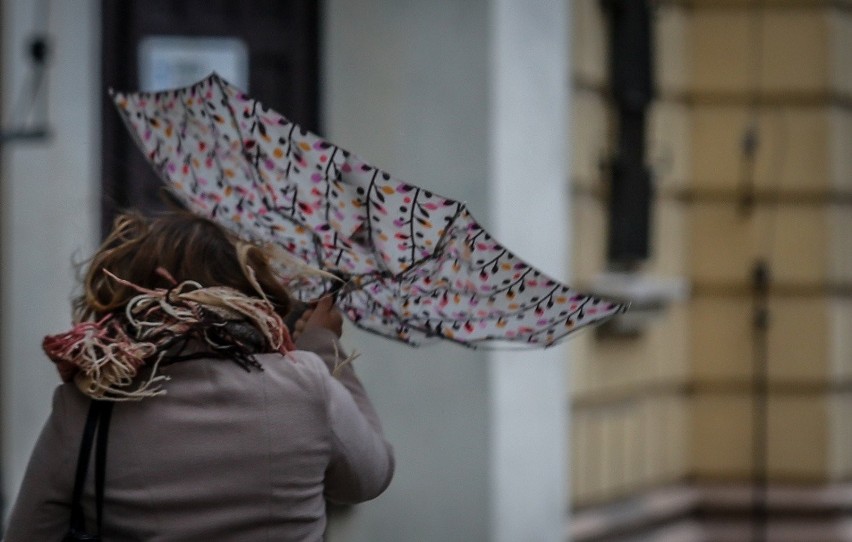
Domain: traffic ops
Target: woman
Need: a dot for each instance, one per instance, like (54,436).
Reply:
(222,428)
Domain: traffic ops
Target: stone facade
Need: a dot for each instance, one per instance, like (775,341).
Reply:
(671,410)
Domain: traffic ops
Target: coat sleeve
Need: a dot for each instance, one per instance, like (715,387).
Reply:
(362,462)
(42,509)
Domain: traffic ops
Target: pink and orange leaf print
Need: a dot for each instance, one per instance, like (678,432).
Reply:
(417,266)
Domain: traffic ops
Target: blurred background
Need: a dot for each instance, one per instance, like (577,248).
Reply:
(691,155)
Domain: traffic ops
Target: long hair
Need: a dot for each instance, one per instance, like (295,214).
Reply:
(188,248)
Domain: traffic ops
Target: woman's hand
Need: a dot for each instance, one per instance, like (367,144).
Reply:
(322,314)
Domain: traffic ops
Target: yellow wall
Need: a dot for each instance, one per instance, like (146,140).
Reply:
(783,67)
(676,403)
(630,407)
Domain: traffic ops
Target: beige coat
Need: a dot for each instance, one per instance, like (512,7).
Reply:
(225,455)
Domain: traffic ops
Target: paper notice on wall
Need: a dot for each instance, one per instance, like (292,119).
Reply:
(167,62)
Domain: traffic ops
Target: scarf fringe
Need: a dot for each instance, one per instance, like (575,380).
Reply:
(104,360)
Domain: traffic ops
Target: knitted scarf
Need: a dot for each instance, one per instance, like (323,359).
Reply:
(104,357)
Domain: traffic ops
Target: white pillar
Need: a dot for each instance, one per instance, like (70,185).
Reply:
(49,212)
(406,86)
(528,172)
(468,98)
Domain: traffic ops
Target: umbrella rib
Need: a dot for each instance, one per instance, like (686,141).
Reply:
(339,252)
(188,162)
(235,123)
(295,205)
(368,203)
(411,227)
(290,140)
(328,185)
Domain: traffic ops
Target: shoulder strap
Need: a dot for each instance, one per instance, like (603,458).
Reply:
(97,420)
(78,521)
(100,460)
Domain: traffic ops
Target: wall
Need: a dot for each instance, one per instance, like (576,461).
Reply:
(49,213)
(404,85)
(629,395)
(674,409)
(430,91)
(793,84)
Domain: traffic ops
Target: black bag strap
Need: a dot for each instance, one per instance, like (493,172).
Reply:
(97,420)
(100,460)
(78,521)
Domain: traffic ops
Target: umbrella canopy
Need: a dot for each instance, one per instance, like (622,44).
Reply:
(416,265)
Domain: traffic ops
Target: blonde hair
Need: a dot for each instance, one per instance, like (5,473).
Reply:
(170,249)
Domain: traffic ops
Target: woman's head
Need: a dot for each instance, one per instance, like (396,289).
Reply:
(187,247)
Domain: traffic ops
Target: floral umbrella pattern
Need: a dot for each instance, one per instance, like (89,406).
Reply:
(416,264)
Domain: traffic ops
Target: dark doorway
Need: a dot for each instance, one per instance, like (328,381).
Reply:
(281,38)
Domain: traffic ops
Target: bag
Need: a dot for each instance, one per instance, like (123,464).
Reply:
(97,421)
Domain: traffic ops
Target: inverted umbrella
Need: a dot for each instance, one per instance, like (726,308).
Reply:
(415,265)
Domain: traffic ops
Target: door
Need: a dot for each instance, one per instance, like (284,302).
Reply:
(280,39)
